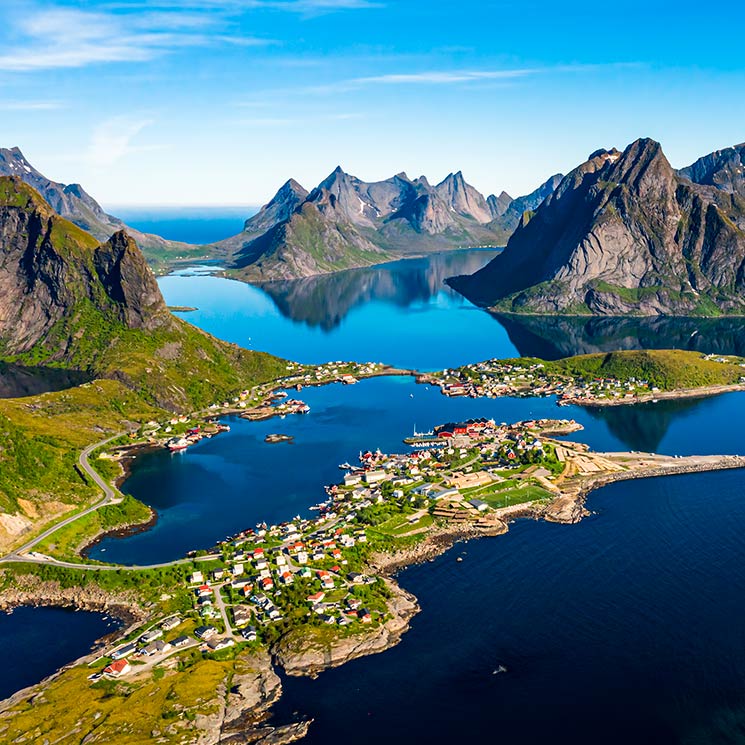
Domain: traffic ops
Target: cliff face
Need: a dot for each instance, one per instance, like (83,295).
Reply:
(68,300)
(623,234)
(49,269)
(345,222)
(723,169)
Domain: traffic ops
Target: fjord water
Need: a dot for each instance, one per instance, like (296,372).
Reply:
(400,313)
(228,483)
(625,628)
(41,640)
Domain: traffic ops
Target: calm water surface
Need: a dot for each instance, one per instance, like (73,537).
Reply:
(625,628)
(230,482)
(38,641)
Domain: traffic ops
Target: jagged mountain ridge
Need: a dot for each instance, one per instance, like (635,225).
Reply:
(70,301)
(622,234)
(72,202)
(345,222)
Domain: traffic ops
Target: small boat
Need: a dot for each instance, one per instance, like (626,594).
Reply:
(176,446)
(345,467)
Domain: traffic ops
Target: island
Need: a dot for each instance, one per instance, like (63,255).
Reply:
(202,634)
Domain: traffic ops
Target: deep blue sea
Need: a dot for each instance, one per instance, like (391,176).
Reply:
(198,225)
(625,628)
(38,641)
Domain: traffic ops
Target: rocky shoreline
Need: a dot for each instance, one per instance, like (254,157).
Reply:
(702,392)
(301,655)
(122,531)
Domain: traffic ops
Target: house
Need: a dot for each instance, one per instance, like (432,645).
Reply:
(352,479)
(117,669)
(364,616)
(316,597)
(266,583)
(375,477)
(237,570)
(302,557)
(223,643)
(157,647)
(241,615)
(203,591)
(356,578)
(205,632)
(478,504)
(196,578)
(151,636)
(249,634)
(180,641)
(122,652)
(218,574)
(170,623)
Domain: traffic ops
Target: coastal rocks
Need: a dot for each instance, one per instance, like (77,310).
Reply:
(272,439)
(28,590)
(567,509)
(437,543)
(304,654)
(255,689)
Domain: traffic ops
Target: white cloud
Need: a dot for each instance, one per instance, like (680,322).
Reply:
(68,38)
(112,141)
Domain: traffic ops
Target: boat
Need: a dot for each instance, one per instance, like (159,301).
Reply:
(345,467)
(176,445)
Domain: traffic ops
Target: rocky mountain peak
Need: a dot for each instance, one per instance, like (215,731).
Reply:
(622,234)
(52,274)
(129,282)
(722,169)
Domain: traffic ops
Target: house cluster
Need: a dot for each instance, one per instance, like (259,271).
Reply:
(151,643)
(494,378)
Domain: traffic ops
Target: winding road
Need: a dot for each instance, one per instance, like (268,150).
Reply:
(25,552)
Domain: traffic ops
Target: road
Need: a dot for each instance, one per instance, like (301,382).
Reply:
(109,497)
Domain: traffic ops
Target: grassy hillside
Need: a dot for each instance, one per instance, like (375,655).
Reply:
(665,369)
(176,366)
(40,440)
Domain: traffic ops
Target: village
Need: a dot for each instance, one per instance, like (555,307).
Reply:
(315,571)
(495,378)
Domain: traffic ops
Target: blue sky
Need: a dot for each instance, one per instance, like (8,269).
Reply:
(220,101)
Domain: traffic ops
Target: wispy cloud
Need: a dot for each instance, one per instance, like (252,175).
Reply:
(297,120)
(113,139)
(68,38)
(30,105)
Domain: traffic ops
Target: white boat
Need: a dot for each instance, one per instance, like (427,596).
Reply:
(177,445)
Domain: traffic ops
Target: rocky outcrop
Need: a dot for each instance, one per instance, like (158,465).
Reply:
(28,590)
(301,653)
(623,234)
(723,169)
(345,222)
(52,273)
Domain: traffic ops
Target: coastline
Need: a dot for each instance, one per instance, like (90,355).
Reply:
(702,392)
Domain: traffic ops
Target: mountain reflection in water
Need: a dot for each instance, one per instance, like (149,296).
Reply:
(327,299)
(552,337)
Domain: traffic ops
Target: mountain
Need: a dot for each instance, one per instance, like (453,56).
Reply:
(623,234)
(345,222)
(70,301)
(723,169)
(75,204)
